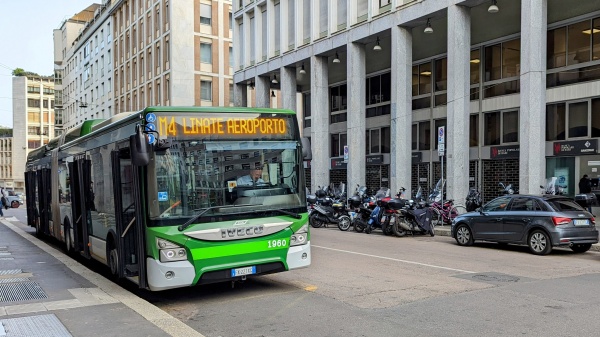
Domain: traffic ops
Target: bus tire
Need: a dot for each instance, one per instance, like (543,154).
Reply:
(38,230)
(68,240)
(113,257)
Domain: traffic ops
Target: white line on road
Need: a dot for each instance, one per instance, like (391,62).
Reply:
(397,260)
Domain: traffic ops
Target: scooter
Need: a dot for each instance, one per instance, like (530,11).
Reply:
(416,219)
(330,211)
(473,200)
(379,217)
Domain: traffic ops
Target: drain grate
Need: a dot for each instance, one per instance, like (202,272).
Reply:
(23,291)
(10,271)
(35,326)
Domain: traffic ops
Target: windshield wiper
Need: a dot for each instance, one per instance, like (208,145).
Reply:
(197,216)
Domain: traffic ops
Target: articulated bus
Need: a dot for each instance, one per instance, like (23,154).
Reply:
(163,196)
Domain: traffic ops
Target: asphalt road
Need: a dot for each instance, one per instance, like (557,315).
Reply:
(374,285)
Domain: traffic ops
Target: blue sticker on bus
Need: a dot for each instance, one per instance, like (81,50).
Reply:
(150,118)
(151,127)
(163,196)
(151,139)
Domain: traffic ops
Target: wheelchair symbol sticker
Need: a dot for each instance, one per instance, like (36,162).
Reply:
(150,118)
(163,196)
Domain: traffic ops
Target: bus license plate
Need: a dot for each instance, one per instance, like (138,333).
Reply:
(243,271)
(580,222)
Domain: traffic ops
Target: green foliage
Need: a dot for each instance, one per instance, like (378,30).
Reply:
(21,72)
(6,132)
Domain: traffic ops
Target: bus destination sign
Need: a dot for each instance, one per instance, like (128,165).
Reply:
(223,126)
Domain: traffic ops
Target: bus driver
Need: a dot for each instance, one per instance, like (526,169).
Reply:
(253,178)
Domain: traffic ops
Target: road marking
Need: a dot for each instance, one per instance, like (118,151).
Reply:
(397,260)
(310,288)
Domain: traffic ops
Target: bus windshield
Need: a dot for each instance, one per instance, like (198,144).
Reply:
(251,178)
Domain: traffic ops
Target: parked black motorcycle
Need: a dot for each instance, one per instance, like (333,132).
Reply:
(473,200)
(415,219)
(330,211)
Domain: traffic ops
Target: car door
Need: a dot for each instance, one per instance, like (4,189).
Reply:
(521,212)
(490,222)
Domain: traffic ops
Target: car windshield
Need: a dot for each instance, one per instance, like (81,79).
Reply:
(257,177)
(564,205)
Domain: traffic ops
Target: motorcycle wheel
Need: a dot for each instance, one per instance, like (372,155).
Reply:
(314,221)
(387,229)
(359,226)
(398,231)
(344,222)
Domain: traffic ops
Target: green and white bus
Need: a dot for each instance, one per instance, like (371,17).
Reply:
(161,196)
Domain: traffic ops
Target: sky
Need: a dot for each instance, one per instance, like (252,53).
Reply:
(26,28)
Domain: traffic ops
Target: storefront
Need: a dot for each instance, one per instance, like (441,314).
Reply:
(570,160)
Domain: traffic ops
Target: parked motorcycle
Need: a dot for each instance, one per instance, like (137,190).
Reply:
(506,189)
(415,218)
(553,188)
(473,200)
(380,215)
(331,211)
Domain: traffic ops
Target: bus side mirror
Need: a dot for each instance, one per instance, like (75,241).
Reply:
(306,151)
(139,147)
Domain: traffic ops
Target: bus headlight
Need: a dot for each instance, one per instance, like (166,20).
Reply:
(170,252)
(300,237)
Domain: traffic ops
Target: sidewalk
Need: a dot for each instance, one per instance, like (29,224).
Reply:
(445,231)
(43,292)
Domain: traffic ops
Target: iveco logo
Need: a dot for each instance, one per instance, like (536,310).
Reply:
(241,231)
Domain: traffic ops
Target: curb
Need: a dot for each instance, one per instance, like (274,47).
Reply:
(445,231)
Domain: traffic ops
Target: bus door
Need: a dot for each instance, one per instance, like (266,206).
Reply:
(80,169)
(129,223)
(30,181)
(44,202)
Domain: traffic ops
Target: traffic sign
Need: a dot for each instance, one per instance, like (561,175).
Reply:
(441,134)
(345,153)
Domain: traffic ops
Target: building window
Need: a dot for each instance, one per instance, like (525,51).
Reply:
(474,130)
(277,28)
(231,93)
(503,60)
(206,90)
(555,121)
(307,110)
(231,56)
(205,14)
(338,103)
(323,17)
(33,103)
(205,53)
(501,127)
(421,136)
(305,21)
(578,120)
(378,141)
(252,40)
(338,141)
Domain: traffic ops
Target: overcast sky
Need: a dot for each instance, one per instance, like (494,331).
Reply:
(26,38)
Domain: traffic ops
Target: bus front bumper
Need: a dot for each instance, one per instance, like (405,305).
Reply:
(298,256)
(163,276)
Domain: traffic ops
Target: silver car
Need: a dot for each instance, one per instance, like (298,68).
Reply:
(540,222)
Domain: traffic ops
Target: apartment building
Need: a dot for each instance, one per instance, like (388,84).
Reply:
(170,52)
(513,83)
(83,67)
(33,121)
(6,150)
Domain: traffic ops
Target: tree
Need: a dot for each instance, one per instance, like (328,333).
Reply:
(18,72)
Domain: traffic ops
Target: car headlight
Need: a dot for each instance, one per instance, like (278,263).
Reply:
(300,237)
(170,251)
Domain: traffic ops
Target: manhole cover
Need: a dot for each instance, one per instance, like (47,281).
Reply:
(10,271)
(496,278)
(35,326)
(23,291)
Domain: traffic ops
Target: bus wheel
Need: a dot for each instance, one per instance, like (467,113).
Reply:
(38,230)
(68,241)
(113,259)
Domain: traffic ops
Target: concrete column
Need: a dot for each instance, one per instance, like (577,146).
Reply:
(319,105)
(401,110)
(356,74)
(532,116)
(457,128)
(262,92)
(240,94)
(288,88)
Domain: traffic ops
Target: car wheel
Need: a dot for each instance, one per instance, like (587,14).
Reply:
(539,242)
(14,204)
(464,235)
(581,248)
